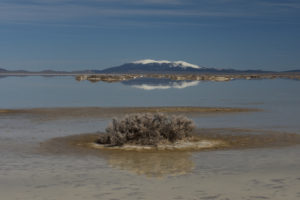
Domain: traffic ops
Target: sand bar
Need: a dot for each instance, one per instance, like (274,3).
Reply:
(53,113)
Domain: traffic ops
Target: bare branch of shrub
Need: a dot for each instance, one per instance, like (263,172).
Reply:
(146,129)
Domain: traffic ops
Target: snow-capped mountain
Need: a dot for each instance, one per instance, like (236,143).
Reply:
(154,66)
(182,64)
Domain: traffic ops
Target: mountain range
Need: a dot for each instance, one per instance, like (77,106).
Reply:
(147,66)
(164,67)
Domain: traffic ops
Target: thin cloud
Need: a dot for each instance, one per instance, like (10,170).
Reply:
(102,11)
(57,12)
(294,5)
(159,2)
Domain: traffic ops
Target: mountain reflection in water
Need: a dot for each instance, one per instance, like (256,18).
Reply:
(159,84)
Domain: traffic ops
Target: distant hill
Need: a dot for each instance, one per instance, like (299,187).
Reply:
(14,71)
(3,70)
(291,71)
(45,72)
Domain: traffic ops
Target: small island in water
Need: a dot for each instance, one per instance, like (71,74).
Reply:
(152,131)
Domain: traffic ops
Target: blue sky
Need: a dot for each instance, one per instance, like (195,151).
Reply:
(95,34)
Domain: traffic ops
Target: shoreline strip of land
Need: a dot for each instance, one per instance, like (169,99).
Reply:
(117,111)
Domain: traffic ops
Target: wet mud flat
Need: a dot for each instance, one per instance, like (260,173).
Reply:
(216,138)
(51,160)
(158,161)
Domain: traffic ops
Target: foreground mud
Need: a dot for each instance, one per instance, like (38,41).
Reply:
(168,160)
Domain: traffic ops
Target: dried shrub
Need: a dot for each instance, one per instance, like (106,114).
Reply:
(146,129)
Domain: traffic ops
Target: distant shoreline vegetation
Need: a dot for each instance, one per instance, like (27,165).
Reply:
(185,77)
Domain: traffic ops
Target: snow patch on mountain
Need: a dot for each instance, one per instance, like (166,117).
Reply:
(182,64)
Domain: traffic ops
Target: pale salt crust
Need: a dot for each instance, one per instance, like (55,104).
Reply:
(181,145)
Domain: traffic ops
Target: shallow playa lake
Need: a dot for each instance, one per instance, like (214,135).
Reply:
(259,173)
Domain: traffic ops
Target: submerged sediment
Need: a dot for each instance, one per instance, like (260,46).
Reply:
(202,139)
(167,159)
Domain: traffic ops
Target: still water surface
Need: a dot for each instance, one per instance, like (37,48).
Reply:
(25,92)
(268,173)
(280,99)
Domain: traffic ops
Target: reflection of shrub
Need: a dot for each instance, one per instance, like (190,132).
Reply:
(146,129)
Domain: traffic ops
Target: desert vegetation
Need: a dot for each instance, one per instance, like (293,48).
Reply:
(147,129)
